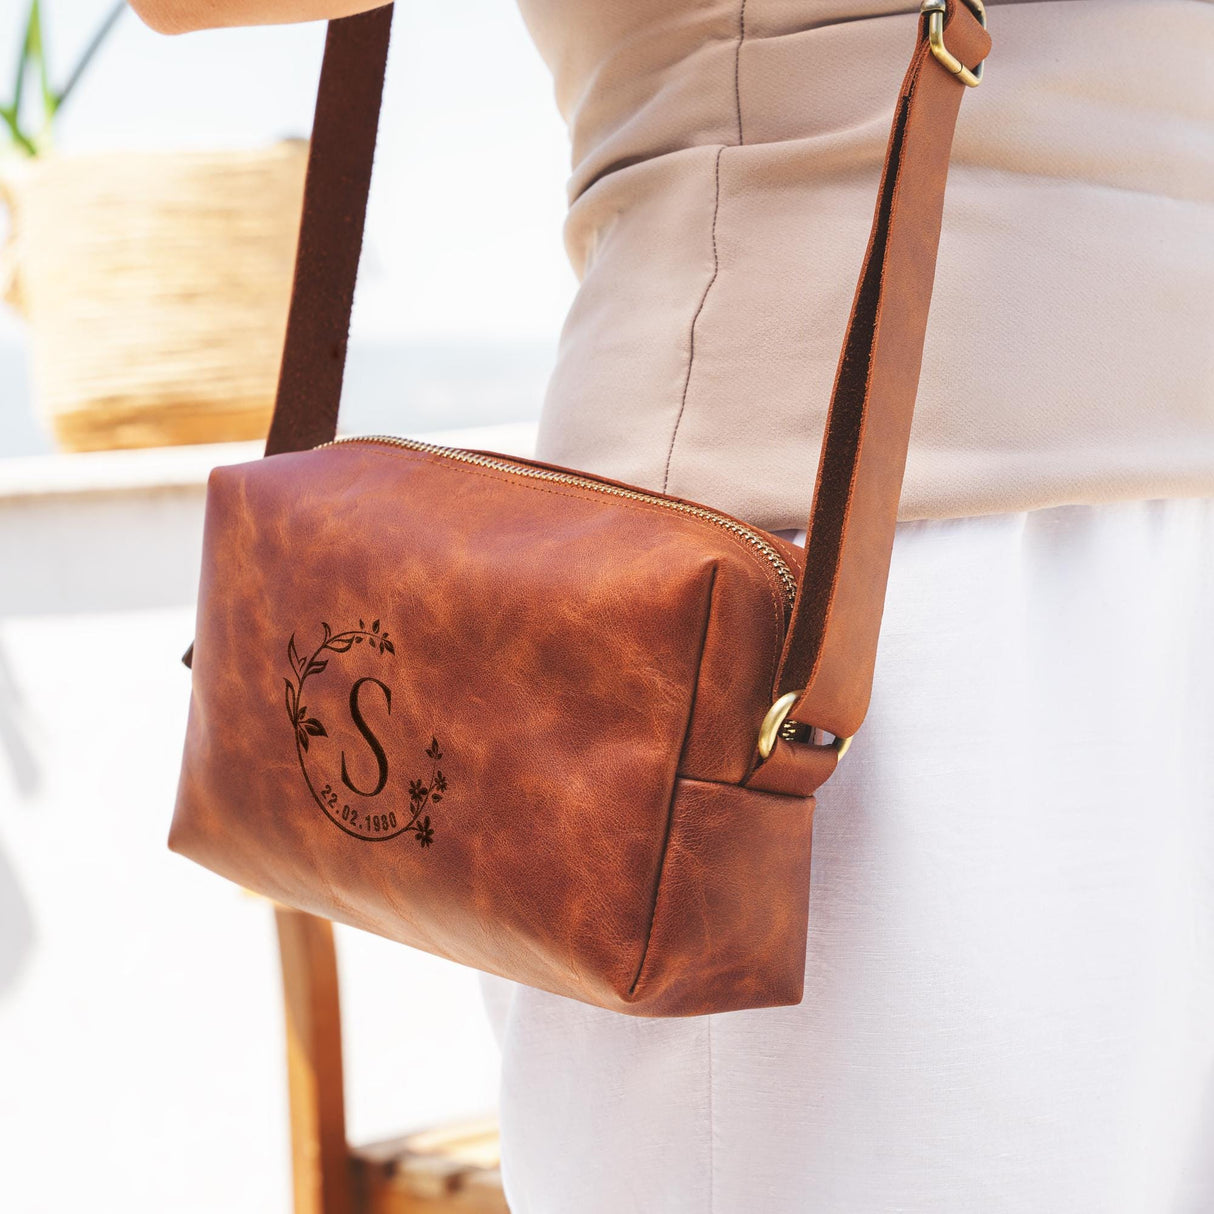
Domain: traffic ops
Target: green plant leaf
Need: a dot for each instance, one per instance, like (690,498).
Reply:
(33,55)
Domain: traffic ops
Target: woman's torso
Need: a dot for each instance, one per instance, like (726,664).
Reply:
(726,157)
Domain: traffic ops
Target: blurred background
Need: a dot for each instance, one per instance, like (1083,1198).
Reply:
(141,1029)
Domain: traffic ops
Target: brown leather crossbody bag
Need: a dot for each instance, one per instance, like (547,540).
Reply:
(551,726)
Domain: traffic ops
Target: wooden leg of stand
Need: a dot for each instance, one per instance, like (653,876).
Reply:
(319,1154)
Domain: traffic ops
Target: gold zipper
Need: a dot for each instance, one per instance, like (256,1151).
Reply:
(756,541)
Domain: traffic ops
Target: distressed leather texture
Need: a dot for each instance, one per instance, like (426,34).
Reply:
(594,671)
(510,719)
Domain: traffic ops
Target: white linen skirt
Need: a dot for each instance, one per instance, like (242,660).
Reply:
(1010,976)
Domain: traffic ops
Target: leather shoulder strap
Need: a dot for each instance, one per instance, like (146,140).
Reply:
(832,641)
(831,648)
(331,231)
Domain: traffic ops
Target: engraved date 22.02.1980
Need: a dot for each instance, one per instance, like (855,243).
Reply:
(364,816)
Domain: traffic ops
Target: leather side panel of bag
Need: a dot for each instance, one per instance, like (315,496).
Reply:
(444,704)
(731,912)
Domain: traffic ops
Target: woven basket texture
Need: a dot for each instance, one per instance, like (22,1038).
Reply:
(156,288)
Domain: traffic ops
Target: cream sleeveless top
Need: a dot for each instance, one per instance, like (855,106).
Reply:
(726,157)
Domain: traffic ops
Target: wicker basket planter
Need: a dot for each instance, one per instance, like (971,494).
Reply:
(156,290)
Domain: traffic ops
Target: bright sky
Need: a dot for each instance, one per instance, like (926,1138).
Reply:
(464,230)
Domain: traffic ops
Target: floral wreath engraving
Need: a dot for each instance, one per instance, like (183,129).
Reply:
(422,792)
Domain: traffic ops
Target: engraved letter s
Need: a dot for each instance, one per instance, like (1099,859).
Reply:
(380,758)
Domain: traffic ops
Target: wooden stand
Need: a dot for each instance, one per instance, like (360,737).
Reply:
(452,1169)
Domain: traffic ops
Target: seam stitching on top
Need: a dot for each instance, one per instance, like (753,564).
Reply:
(691,353)
(737,69)
(716,261)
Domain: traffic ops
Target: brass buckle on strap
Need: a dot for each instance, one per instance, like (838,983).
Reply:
(935,10)
(776,725)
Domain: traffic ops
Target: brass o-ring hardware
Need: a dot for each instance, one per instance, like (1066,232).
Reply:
(773,724)
(935,10)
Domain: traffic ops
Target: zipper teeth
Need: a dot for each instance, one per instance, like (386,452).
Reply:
(787,579)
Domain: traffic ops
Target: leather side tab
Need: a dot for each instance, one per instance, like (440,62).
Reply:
(795,769)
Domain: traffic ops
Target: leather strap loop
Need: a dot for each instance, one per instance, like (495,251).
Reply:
(832,640)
